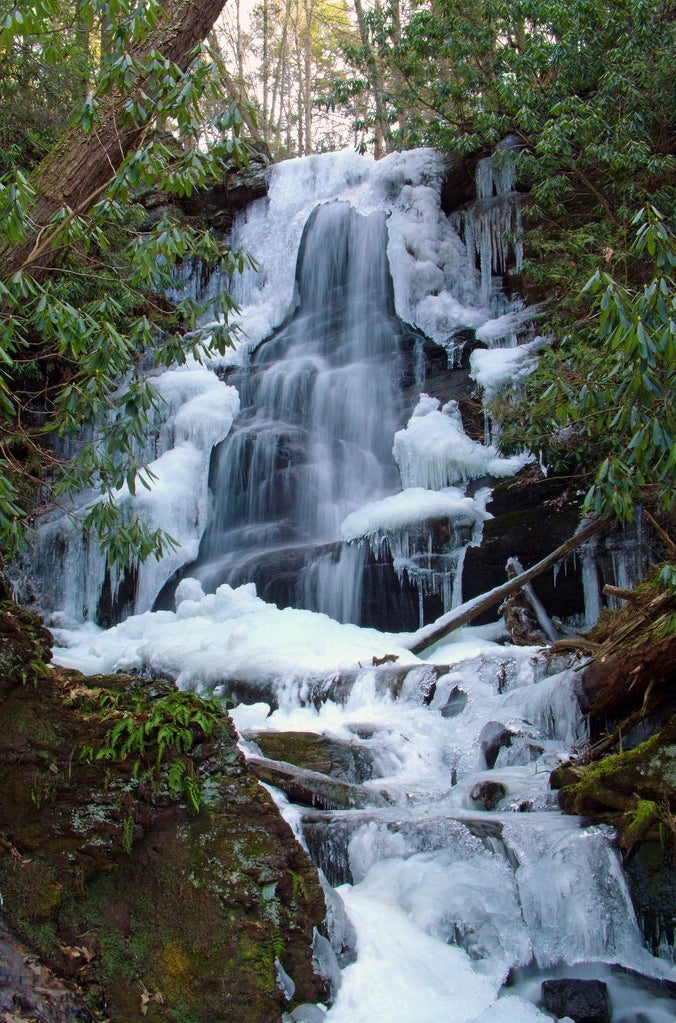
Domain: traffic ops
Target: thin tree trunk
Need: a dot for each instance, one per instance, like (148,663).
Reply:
(395,74)
(266,63)
(299,86)
(77,170)
(307,73)
(381,127)
(280,70)
(234,90)
(429,634)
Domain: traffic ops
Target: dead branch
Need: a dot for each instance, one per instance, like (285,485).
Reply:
(429,634)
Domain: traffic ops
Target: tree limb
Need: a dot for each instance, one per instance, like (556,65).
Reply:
(429,634)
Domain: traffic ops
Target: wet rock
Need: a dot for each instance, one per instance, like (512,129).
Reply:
(651,876)
(328,835)
(530,519)
(326,964)
(459,186)
(487,794)
(29,991)
(307,1014)
(416,681)
(455,704)
(494,737)
(239,186)
(348,761)
(585,1001)
(337,927)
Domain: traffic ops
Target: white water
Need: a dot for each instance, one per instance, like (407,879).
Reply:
(321,401)
(449,899)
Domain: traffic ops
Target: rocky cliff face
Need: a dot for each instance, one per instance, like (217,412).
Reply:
(162,885)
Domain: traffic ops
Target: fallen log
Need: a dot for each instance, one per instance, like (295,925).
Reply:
(465,613)
(619,592)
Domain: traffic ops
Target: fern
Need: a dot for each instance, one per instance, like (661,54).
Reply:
(159,735)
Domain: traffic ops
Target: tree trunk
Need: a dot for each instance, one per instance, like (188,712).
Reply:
(236,90)
(381,126)
(76,171)
(309,10)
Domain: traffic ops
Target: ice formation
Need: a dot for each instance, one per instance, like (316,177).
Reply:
(462,874)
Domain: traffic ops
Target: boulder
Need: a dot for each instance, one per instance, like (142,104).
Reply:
(585,1001)
(528,533)
(347,761)
(493,737)
(634,790)
(29,991)
(487,794)
(455,704)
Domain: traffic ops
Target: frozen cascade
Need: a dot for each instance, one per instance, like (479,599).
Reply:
(470,887)
(355,260)
(322,401)
(492,227)
(196,411)
(321,404)
(457,886)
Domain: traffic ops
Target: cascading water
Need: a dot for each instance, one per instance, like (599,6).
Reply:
(460,885)
(322,401)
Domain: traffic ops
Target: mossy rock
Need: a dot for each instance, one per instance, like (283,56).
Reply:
(634,790)
(25,647)
(338,758)
(157,912)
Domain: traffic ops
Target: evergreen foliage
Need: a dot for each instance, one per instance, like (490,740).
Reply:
(608,412)
(83,316)
(585,88)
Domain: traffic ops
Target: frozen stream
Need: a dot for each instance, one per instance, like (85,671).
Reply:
(455,885)
(463,884)
(469,887)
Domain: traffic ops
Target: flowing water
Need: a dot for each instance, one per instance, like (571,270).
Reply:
(321,403)
(454,884)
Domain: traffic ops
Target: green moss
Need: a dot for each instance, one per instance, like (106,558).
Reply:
(186,929)
(645,814)
(176,968)
(633,790)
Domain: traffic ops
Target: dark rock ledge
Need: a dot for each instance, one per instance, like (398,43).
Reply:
(146,909)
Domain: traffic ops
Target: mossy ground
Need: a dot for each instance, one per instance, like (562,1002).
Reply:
(187,924)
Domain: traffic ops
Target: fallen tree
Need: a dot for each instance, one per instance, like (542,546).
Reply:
(465,613)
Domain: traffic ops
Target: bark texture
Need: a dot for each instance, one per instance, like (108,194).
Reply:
(76,171)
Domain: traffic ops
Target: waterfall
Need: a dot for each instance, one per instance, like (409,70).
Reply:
(324,491)
(358,270)
(321,403)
